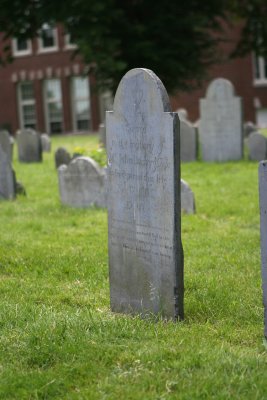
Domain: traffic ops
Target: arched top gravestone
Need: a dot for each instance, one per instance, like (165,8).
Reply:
(257,146)
(29,146)
(145,251)
(220,89)
(220,128)
(188,138)
(82,183)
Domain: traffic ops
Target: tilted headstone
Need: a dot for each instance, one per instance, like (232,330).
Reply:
(62,157)
(6,143)
(220,128)
(82,183)
(188,138)
(249,127)
(29,146)
(102,134)
(257,146)
(144,208)
(263,230)
(7,177)
(188,205)
(46,142)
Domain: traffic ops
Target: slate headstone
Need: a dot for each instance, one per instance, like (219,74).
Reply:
(188,205)
(220,128)
(263,231)
(249,127)
(82,183)
(144,208)
(6,143)
(29,146)
(62,157)
(188,137)
(7,177)
(46,142)
(257,146)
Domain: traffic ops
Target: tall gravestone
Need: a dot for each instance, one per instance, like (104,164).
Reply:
(263,230)
(29,146)
(257,146)
(220,128)
(144,209)
(188,138)
(82,183)
(6,143)
(7,178)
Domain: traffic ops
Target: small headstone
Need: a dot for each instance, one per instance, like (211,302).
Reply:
(7,177)
(257,146)
(188,137)
(249,127)
(263,231)
(62,157)
(29,146)
(82,183)
(188,205)
(183,114)
(6,142)
(102,134)
(46,142)
(220,128)
(144,209)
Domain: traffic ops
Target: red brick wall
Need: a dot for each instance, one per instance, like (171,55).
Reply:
(57,64)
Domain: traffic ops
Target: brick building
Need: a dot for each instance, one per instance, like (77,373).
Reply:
(47,89)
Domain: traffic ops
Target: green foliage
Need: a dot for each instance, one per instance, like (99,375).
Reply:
(176,39)
(58,337)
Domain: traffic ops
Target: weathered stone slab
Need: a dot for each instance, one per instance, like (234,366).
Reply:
(188,205)
(62,157)
(220,128)
(257,146)
(46,142)
(29,146)
(6,142)
(82,183)
(263,230)
(7,178)
(144,205)
(188,138)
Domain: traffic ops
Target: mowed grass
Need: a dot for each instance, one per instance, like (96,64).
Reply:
(58,337)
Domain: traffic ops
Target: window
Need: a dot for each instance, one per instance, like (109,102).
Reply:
(27,105)
(47,39)
(260,70)
(53,102)
(81,103)
(21,47)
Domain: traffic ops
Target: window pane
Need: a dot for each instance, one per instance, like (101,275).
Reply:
(81,88)
(22,44)
(55,111)
(26,91)
(53,90)
(47,36)
(82,109)
(83,125)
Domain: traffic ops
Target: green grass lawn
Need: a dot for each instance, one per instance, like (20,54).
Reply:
(58,337)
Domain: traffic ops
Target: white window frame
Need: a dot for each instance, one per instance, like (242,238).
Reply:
(21,53)
(76,100)
(68,45)
(49,101)
(22,103)
(262,80)
(51,49)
